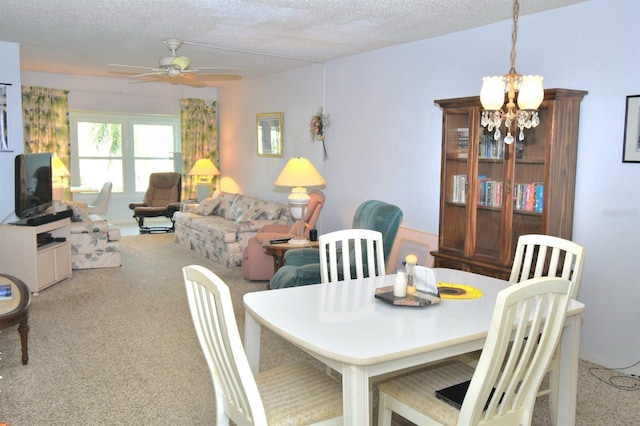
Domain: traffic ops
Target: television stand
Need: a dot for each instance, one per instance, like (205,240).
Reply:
(37,266)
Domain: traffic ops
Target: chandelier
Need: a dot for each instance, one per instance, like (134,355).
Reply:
(530,95)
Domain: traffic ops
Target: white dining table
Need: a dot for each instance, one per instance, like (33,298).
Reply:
(344,326)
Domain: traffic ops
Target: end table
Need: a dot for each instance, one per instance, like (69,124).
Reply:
(277,250)
(16,310)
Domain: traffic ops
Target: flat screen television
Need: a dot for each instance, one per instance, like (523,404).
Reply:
(33,184)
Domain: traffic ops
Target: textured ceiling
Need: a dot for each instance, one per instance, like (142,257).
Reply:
(84,36)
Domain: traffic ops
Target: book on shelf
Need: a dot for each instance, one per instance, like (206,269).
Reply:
(463,142)
(489,192)
(5,292)
(489,148)
(528,196)
(459,189)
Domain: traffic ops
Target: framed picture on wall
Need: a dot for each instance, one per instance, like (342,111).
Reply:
(631,145)
(4,137)
(410,241)
(269,134)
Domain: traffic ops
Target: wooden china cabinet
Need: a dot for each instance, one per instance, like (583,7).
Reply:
(491,193)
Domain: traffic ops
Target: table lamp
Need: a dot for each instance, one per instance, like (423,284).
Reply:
(58,172)
(299,173)
(204,170)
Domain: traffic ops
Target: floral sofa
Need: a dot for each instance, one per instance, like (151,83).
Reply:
(95,243)
(220,227)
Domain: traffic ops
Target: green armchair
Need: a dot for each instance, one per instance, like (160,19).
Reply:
(302,266)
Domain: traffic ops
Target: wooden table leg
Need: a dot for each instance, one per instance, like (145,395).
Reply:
(23,329)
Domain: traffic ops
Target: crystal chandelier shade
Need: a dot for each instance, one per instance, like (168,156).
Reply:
(530,96)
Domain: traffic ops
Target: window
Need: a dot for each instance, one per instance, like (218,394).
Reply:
(123,149)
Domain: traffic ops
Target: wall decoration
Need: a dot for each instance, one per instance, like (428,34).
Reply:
(317,126)
(631,145)
(269,134)
(410,241)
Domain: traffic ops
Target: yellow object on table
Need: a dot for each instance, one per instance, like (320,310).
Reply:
(458,291)
(411,258)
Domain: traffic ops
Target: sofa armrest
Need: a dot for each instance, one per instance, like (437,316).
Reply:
(265,237)
(95,226)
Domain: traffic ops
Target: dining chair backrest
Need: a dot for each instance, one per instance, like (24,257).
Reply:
(525,329)
(351,253)
(101,203)
(236,391)
(291,394)
(545,255)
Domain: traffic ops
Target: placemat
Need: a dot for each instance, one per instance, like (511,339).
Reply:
(458,291)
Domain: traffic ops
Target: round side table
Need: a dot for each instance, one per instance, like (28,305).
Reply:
(15,311)
(277,250)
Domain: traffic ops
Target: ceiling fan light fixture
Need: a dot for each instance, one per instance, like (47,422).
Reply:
(181,61)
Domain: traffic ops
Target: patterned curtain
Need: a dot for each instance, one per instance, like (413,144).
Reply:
(199,124)
(45,113)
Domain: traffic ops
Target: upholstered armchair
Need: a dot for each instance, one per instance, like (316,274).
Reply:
(302,266)
(258,266)
(162,199)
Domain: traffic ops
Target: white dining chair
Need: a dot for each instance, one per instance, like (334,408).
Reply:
(525,329)
(351,253)
(548,256)
(101,203)
(297,394)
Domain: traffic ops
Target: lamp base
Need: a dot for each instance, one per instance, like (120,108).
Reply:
(299,241)
(203,191)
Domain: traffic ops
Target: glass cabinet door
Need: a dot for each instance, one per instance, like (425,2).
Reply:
(490,194)
(456,151)
(529,179)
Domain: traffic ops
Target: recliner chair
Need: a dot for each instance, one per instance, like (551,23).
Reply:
(302,266)
(162,199)
(256,264)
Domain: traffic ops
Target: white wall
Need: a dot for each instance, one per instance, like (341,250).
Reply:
(10,74)
(298,95)
(385,135)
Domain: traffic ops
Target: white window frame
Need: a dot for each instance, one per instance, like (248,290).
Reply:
(127,121)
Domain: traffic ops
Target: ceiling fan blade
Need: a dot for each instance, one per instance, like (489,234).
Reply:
(158,72)
(187,80)
(134,66)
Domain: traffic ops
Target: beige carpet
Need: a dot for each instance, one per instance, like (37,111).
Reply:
(116,347)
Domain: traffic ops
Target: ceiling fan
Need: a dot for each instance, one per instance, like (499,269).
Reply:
(178,70)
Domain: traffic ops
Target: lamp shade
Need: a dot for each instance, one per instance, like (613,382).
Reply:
(204,167)
(492,93)
(58,169)
(531,92)
(299,171)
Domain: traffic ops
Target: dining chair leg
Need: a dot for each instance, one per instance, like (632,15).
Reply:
(554,383)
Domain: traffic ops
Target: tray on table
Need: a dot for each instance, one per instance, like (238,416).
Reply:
(418,299)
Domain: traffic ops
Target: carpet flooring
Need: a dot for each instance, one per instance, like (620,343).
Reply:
(116,346)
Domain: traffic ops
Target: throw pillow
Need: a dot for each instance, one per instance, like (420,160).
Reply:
(79,215)
(226,201)
(207,206)
(251,214)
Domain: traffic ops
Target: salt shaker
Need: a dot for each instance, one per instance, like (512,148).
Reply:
(400,284)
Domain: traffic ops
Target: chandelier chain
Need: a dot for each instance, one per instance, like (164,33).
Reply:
(514,36)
